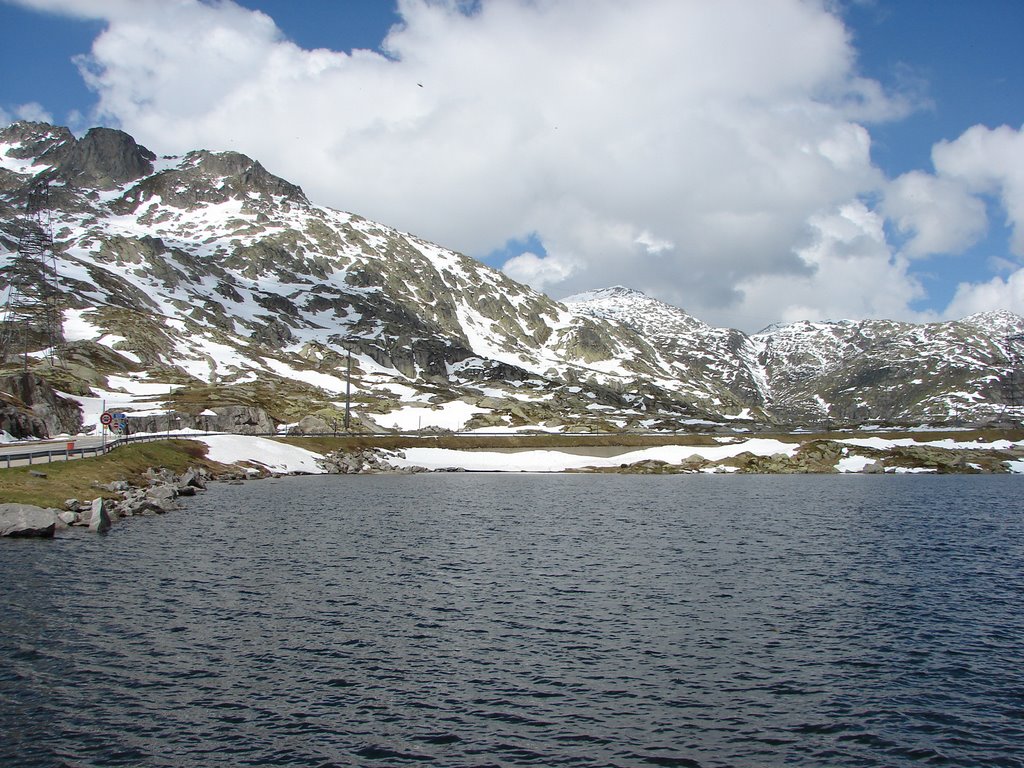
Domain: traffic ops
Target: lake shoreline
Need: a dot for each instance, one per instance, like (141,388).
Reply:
(227,458)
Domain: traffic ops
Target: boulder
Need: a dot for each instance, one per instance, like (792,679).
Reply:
(25,520)
(312,425)
(192,478)
(160,476)
(29,407)
(162,498)
(100,519)
(366,461)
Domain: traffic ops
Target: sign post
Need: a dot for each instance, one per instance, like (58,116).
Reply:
(105,419)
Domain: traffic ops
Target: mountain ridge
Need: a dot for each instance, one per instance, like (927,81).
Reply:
(227,285)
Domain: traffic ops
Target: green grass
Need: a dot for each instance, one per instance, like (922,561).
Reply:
(78,479)
(618,440)
(496,442)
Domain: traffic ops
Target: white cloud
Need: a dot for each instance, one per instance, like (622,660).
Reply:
(711,154)
(989,161)
(850,273)
(997,293)
(939,213)
(538,271)
(33,111)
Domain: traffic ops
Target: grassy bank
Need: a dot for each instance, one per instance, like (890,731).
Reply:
(620,440)
(79,479)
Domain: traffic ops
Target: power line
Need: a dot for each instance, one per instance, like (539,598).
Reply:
(32,316)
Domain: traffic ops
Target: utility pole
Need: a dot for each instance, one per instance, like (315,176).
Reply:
(32,317)
(348,392)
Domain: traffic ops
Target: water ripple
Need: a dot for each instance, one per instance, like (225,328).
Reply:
(522,620)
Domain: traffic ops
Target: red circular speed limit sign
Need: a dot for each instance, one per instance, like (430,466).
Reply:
(105,419)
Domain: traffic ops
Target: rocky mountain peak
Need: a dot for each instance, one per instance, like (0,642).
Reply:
(105,159)
(615,292)
(633,307)
(203,176)
(998,321)
(28,140)
(209,273)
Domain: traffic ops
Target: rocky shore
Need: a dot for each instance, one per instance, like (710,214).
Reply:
(157,497)
(160,488)
(832,457)
(160,495)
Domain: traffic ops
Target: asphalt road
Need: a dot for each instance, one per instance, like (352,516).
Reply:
(57,450)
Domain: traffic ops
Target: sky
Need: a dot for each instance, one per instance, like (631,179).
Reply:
(750,161)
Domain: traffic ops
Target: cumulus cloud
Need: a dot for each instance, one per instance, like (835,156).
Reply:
(850,273)
(711,154)
(998,293)
(989,161)
(33,111)
(945,211)
(939,214)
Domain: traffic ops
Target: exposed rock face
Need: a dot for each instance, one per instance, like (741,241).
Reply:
(30,408)
(32,140)
(210,272)
(359,462)
(312,425)
(25,520)
(212,177)
(237,419)
(104,159)
(274,334)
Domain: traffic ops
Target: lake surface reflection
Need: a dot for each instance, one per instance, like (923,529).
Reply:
(492,620)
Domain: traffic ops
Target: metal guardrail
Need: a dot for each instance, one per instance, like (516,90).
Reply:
(46,456)
(52,454)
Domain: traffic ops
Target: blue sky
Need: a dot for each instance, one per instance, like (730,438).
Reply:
(658,144)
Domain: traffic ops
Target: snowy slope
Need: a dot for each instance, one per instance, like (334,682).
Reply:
(838,371)
(196,281)
(206,270)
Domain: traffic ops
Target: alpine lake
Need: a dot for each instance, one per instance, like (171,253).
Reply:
(524,619)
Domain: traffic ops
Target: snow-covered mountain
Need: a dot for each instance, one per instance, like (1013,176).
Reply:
(199,282)
(839,371)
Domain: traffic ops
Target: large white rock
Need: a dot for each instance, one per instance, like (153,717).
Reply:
(27,520)
(100,520)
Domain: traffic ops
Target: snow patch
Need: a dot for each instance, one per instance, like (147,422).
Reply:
(274,456)
(560,461)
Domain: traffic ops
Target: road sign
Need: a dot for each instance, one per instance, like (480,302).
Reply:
(106,418)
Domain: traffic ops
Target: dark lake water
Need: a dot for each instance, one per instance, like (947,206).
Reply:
(496,620)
